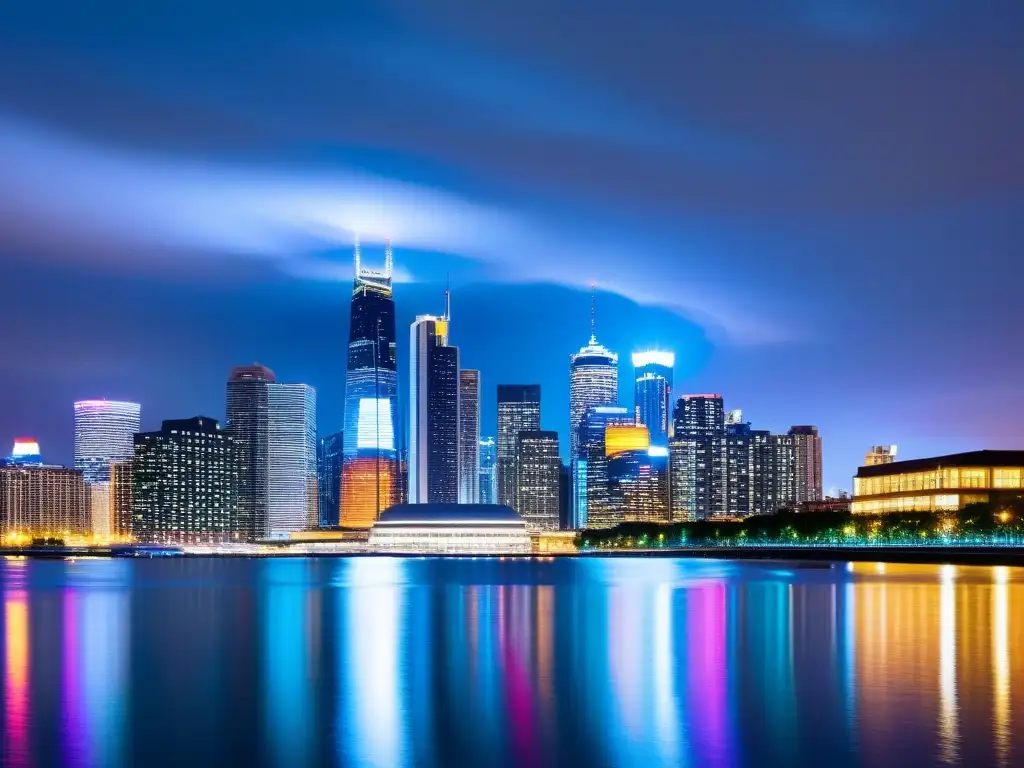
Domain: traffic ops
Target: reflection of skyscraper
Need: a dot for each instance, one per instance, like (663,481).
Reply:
(538,468)
(369,475)
(469,437)
(807,455)
(433,413)
(518,411)
(248,423)
(328,473)
(591,506)
(291,459)
(488,471)
(653,390)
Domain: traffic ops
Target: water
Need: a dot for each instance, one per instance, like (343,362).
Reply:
(590,662)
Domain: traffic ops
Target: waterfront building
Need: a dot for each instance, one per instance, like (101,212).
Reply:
(433,412)
(370,474)
(488,470)
(328,462)
(291,460)
(185,483)
(939,484)
(653,392)
(40,500)
(469,436)
(104,430)
(593,380)
(782,472)
(880,454)
(537,488)
(591,507)
(748,467)
(518,411)
(697,458)
(121,498)
(638,485)
(248,423)
(439,529)
(807,457)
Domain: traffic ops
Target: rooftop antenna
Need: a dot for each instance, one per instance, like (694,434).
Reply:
(593,295)
(448,296)
(357,255)
(388,261)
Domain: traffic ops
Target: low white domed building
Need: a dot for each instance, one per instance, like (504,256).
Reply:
(450,529)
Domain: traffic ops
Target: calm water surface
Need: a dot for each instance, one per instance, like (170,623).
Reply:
(591,662)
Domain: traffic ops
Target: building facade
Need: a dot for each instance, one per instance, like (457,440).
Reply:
(939,484)
(291,460)
(248,423)
(433,413)
(121,498)
(518,411)
(440,529)
(104,430)
(653,392)
(807,455)
(880,454)
(369,474)
(469,436)
(593,380)
(537,488)
(591,505)
(328,473)
(697,458)
(40,500)
(185,483)
(638,484)
(488,470)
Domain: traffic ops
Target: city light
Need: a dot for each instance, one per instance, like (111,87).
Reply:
(653,357)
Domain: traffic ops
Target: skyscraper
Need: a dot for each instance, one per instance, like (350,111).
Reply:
(593,380)
(43,500)
(807,451)
(697,458)
(433,412)
(488,471)
(591,507)
(518,411)
(104,430)
(782,472)
(328,463)
(369,474)
(653,392)
(291,459)
(748,467)
(538,468)
(248,423)
(638,484)
(121,498)
(184,484)
(469,437)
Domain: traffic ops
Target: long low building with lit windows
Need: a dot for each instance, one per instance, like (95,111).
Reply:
(450,529)
(940,484)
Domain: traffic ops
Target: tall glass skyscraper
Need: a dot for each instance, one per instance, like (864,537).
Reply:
(593,380)
(537,483)
(291,480)
(488,470)
(248,424)
(104,433)
(328,474)
(590,505)
(518,411)
(697,458)
(807,448)
(433,413)
(469,437)
(653,392)
(369,474)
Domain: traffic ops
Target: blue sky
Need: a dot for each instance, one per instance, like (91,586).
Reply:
(818,205)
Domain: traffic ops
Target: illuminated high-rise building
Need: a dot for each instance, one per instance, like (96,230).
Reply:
(469,436)
(184,484)
(25,453)
(433,412)
(328,462)
(653,392)
(538,468)
(593,380)
(697,458)
(518,411)
(749,462)
(782,472)
(807,453)
(42,500)
(591,507)
(104,430)
(488,470)
(880,454)
(638,489)
(369,474)
(291,459)
(121,498)
(248,423)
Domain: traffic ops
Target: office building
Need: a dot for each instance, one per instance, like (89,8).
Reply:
(185,483)
(121,499)
(291,460)
(328,462)
(469,437)
(593,380)
(591,506)
(370,474)
(638,484)
(518,411)
(37,500)
(807,453)
(880,454)
(782,472)
(450,529)
(538,467)
(488,470)
(104,430)
(248,423)
(697,458)
(653,392)
(748,467)
(939,484)
(433,412)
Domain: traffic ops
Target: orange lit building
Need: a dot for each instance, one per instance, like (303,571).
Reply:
(619,438)
(370,487)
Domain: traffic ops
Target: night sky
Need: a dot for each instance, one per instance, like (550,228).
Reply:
(818,204)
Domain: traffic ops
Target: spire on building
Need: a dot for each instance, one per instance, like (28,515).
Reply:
(388,259)
(448,297)
(593,297)
(357,256)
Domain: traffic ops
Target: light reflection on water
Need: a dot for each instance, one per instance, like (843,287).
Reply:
(389,662)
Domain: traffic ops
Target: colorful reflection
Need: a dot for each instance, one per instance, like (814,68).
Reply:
(16,664)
